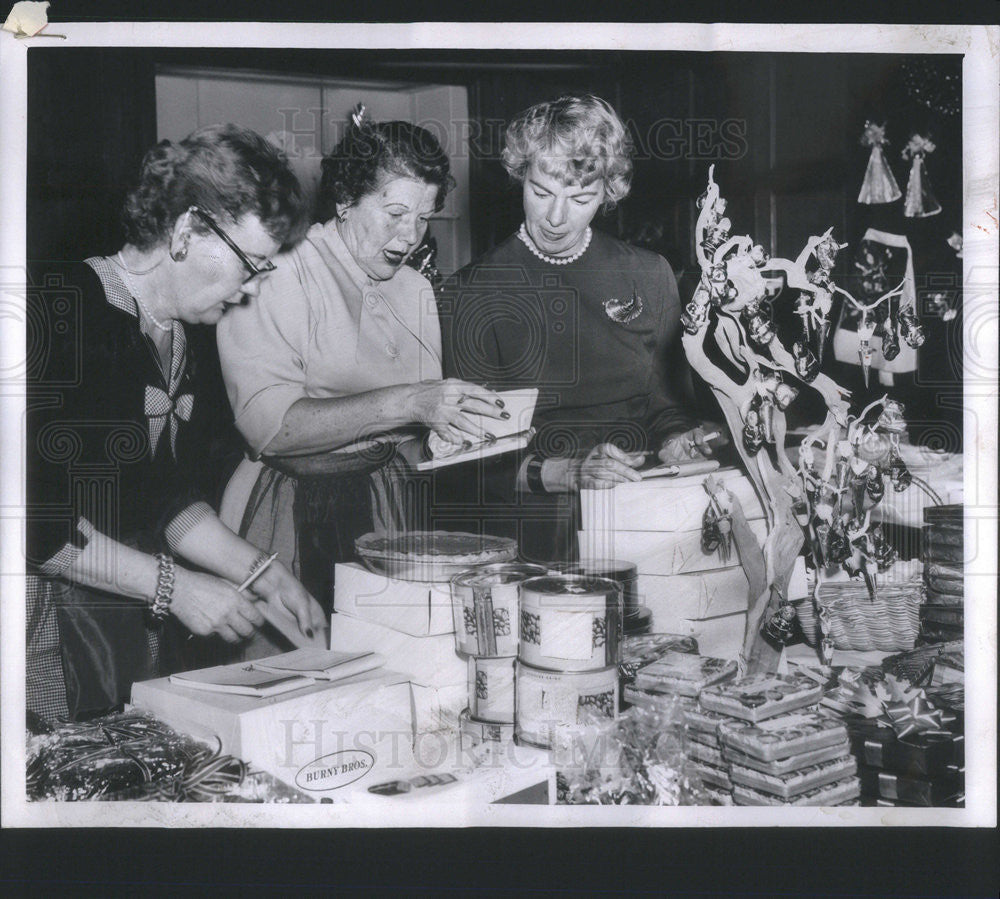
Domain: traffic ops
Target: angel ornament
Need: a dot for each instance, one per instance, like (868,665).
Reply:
(920,200)
(879,185)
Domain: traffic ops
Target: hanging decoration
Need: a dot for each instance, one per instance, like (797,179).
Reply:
(879,185)
(826,502)
(871,324)
(920,200)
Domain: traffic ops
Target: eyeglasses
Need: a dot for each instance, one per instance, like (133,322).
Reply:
(255,270)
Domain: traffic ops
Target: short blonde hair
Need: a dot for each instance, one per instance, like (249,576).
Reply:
(577,139)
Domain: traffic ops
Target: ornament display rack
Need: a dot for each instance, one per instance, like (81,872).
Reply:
(730,341)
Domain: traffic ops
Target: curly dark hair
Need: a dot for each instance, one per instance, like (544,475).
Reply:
(226,170)
(371,150)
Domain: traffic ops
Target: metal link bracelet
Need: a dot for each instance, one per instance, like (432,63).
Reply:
(159,608)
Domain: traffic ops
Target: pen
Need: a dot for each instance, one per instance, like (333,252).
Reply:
(257,573)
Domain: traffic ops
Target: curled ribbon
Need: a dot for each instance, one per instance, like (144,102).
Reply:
(160,409)
(914,716)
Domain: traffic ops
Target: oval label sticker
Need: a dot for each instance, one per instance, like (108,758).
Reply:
(336,770)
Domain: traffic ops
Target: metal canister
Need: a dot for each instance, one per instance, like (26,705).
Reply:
(472,731)
(624,573)
(570,622)
(491,689)
(485,603)
(548,700)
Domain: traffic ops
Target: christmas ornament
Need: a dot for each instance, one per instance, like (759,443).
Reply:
(920,200)
(879,185)
(910,328)
(780,627)
(806,364)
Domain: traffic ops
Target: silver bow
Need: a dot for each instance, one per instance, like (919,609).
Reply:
(160,409)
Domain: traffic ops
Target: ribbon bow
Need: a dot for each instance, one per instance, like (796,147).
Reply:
(908,710)
(160,408)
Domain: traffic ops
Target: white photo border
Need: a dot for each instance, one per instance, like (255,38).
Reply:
(981,103)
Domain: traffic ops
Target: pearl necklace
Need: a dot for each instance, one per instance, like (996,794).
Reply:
(161,326)
(522,233)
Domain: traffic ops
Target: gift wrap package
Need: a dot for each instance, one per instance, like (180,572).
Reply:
(431,660)
(709,606)
(656,525)
(413,607)
(439,675)
(327,740)
(661,504)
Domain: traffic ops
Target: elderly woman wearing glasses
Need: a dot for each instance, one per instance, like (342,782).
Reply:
(125,415)
(586,318)
(340,359)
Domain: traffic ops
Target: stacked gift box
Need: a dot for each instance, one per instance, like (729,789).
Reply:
(657,525)
(908,740)
(917,769)
(778,748)
(759,740)
(942,616)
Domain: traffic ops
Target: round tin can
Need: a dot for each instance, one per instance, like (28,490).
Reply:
(484,603)
(624,573)
(472,731)
(491,689)
(547,700)
(570,622)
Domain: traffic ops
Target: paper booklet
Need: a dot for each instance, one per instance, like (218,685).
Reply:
(320,664)
(511,434)
(281,673)
(241,678)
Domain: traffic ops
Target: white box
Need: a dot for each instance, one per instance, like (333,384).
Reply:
(705,595)
(712,607)
(419,608)
(662,504)
(430,661)
(325,739)
(652,552)
(721,637)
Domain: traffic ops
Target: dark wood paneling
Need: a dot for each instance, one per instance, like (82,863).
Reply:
(93,116)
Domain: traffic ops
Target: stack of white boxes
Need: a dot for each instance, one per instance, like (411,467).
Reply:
(656,523)
(411,624)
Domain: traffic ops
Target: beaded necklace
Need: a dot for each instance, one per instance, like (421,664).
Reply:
(522,233)
(161,326)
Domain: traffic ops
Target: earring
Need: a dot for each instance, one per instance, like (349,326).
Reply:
(181,252)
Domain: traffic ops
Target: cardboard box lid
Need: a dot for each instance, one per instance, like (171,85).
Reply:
(419,608)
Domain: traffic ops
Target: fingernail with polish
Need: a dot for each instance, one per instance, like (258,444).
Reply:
(309,632)
(489,437)
(505,415)
(466,444)
(500,403)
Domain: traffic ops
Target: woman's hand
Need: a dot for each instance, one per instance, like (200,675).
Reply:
(603,467)
(457,411)
(278,587)
(205,605)
(692,444)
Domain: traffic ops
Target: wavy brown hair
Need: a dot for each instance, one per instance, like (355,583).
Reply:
(226,170)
